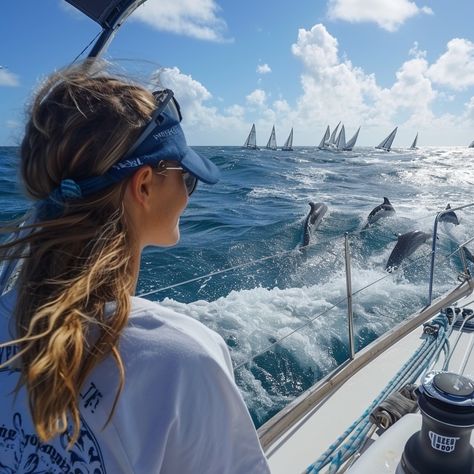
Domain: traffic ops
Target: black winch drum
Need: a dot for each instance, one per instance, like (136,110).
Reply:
(443,445)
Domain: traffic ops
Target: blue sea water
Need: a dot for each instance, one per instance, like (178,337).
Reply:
(257,211)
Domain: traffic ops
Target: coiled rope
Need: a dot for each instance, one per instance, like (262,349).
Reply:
(354,437)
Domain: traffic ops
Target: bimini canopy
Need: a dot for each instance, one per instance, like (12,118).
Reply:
(109,14)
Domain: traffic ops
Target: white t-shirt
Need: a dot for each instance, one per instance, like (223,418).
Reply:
(179,412)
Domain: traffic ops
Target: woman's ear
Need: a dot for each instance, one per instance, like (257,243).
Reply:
(140,186)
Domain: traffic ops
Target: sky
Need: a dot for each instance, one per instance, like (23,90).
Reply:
(303,64)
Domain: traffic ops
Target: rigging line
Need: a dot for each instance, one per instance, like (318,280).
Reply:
(218,272)
(262,259)
(401,267)
(241,265)
(310,321)
(82,52)
(251,262)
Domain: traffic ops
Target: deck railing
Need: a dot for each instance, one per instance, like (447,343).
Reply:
(433,246)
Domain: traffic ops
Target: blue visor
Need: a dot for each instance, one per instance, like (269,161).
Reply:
(161,139)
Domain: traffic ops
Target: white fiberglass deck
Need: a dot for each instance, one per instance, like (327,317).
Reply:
(301,444)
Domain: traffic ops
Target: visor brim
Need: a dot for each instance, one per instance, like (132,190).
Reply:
(203,168)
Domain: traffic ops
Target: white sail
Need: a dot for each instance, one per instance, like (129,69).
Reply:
(288,146)
(351,143)
(341,139)
(387,143)
(251,141)
(415,141)
(325,138)
(332,139)
(471,145)
(272,144)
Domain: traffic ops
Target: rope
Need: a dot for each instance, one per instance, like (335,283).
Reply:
(80,54)
(338,453)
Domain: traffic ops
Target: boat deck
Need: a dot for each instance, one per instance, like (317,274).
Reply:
(307,439)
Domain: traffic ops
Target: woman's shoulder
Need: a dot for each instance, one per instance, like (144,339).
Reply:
(157,331)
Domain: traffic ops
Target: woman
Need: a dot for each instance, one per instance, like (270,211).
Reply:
(93,379)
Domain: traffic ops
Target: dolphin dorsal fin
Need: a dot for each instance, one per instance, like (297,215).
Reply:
(386,201)
(448,206)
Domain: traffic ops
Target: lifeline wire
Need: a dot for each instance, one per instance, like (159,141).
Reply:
(251,262)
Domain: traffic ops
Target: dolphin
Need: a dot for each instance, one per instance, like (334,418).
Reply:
(405,246)
(313,219)
(450,217)
(382,210)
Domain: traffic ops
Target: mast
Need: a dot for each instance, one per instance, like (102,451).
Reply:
(351,143)
(288,146)
(325,139)
(110,15)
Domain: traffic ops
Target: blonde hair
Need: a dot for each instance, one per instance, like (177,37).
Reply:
(80,124)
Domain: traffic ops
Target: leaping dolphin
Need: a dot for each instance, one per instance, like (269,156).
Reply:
(405,246)
(382,210)
(312,221)
(450,217)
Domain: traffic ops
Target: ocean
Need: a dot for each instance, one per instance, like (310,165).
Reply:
(281,310)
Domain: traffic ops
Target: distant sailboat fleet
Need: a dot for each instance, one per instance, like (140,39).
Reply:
(251,141)
(330,141)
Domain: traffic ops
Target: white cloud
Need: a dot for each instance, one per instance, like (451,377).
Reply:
(416,52)
(195,18)
(203,124)
(455,68)
(257,97)
(12,124)
(263,68)
(7,78)
(333,89)
(387,14)
(331,86)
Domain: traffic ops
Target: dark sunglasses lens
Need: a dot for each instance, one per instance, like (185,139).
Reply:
(191,182)
(173,111)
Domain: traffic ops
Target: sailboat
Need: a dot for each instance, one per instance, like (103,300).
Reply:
(413,145)
(341,139)
(251,141)
(351,143)
(272,144)
(332,139)
(387,143)
(324,140)
(288,146)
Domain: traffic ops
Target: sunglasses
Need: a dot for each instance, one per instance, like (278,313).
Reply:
(166,104)
(190,181)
